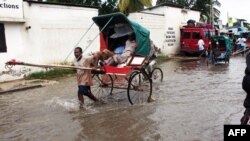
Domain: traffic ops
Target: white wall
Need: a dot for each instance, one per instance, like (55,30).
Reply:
(166,36)
(154,23)
(54,32)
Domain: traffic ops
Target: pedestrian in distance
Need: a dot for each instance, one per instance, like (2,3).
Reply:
(201,46)
(241,44)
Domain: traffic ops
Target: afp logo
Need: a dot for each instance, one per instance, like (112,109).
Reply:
(236,132)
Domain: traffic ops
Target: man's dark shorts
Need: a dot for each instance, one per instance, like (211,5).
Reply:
(84,90)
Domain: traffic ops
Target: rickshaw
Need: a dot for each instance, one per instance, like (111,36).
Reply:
(220,50)
(134,73)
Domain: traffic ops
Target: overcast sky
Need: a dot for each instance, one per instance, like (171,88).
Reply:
(235,9)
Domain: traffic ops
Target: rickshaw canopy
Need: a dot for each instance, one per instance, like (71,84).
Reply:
(224,42)
(105,22)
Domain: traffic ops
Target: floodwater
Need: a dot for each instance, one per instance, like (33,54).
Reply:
(192,103)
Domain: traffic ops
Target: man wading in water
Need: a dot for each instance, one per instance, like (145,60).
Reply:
(84,78)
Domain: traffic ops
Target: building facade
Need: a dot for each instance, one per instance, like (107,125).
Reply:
(46,33)
(43,33)
(164,22)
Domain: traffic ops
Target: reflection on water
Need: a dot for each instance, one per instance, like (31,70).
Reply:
(128,123)
(193,102)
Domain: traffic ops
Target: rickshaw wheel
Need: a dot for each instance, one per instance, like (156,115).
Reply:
(157,75)
(103,85)
(139,88)
(227,60)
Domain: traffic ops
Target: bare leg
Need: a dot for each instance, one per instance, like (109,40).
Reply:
(81,99)
(91,96)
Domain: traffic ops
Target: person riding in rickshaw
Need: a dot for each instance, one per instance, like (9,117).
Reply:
(122,57)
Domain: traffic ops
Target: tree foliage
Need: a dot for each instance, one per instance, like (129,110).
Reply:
(80,2)
(184,3)
(203,5)
(109,6)
(129,6)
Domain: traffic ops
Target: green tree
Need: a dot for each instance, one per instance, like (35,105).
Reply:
(184,3)
(129,6)
(247,25)
(108,6)
(203,5)
(80,2)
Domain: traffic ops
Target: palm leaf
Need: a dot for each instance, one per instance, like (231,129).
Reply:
(216,3)
(123,5)
(134,6)
(147,3)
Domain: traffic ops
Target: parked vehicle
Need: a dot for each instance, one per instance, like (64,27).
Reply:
(191,34)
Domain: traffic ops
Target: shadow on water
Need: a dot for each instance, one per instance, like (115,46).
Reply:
(193,102)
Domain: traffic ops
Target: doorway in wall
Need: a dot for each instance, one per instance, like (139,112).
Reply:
(3,47)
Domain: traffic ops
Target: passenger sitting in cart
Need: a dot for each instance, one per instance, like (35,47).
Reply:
(128,51)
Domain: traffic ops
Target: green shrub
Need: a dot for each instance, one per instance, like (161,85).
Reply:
(162,58)
(52,73)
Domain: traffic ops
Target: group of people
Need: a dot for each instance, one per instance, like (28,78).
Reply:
(213,46)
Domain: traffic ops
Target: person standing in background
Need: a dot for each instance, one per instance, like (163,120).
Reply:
(245,120)
(201,47)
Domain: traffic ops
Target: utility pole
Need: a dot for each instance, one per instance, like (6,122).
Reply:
(212,13)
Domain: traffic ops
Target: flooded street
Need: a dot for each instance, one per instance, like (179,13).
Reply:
(193,103)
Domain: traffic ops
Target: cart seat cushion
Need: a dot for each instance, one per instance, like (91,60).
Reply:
(136,61)
(119,50)
(132,61)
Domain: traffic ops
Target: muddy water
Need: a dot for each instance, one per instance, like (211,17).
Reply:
(192,104)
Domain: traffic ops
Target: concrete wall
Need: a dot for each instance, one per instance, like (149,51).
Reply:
(165,23)
(155,23)
(54,31)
